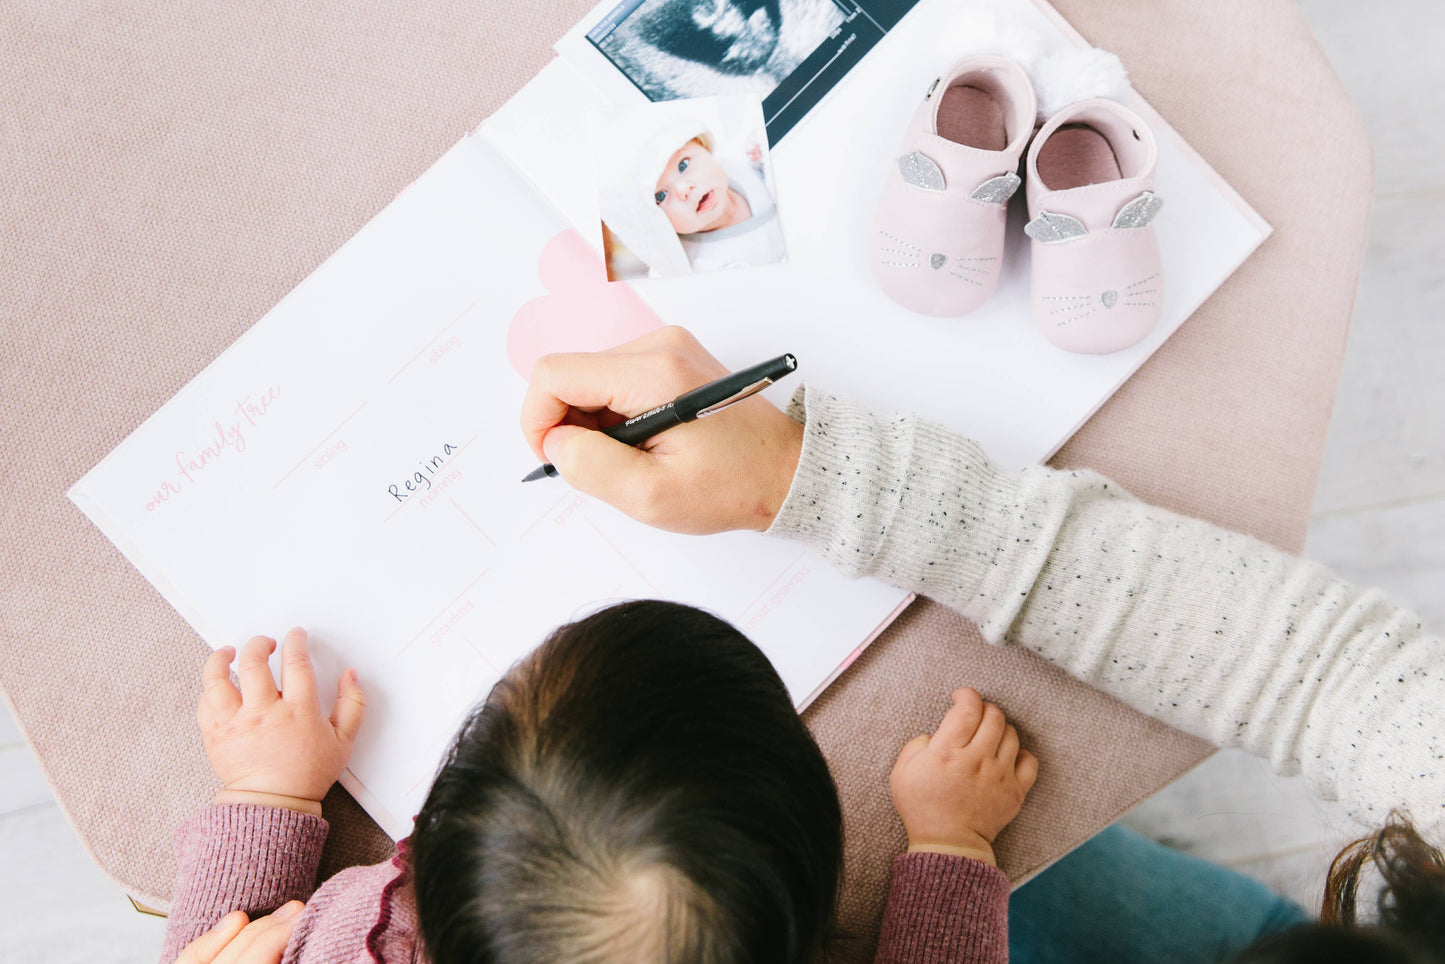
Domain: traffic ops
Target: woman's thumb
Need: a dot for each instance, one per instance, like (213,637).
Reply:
(600,466)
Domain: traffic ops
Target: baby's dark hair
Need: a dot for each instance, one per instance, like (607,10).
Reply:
(640,789)
(1409,924)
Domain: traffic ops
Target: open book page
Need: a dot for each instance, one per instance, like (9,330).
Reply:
(352,463)
(991,375)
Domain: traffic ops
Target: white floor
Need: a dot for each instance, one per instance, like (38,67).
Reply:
(1379,520)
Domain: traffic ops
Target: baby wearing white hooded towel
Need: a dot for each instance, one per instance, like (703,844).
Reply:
(671,206)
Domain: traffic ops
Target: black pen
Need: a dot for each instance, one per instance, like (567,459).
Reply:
(698,403)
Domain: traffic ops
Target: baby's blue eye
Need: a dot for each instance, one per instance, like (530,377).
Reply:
(660,196)
(682,165)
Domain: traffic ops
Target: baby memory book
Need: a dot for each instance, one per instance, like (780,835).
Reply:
(352,463)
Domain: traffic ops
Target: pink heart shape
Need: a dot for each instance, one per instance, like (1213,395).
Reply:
(582,312)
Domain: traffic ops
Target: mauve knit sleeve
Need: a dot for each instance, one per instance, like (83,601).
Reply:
(944,909)
(239,856)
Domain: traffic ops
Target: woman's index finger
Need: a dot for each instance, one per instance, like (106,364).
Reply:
(624,382)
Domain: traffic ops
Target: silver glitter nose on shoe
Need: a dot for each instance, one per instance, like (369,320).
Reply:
(937,260)
(1109,297)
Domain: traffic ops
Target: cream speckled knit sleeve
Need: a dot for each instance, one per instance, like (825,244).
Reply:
(1215,633)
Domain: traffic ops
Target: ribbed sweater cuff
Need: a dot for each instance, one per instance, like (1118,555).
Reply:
(898,498)
(944,909)
(241,855)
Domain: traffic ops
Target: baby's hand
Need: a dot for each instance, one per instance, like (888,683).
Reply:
(236,939)
(958,788)
(272,747)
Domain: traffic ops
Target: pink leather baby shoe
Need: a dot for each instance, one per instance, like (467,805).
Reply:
(938,236)
(1097,283)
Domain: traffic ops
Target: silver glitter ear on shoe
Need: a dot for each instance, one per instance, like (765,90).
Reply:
(997,190)
(1050,228)
(920,171)
(1139,212)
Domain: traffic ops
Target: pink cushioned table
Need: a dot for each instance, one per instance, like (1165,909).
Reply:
(171,171)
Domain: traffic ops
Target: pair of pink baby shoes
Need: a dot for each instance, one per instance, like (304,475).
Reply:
(938,239)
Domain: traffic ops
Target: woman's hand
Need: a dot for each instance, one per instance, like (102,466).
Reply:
(234,940)
(731,470)
(271,747)
(955,790)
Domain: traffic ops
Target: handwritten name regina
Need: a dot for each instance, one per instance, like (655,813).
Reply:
(420,480)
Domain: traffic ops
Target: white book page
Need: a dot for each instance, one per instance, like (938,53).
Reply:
(352,465)
(991,375)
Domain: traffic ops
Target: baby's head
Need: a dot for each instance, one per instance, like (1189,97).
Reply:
(692,189)
(639,789)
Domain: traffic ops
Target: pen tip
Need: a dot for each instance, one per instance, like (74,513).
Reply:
(547,470)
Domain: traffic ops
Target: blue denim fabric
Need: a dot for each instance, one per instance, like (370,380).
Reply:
(1122,898)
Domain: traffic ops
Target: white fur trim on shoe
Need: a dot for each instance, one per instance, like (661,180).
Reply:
(1072,74)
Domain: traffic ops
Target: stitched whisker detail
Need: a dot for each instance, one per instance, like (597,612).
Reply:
(964,277)
(1068,297)
(1070,321)
(897,240)
(900,264)
(1145,280)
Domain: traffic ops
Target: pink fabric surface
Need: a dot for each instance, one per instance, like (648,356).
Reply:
(171,172)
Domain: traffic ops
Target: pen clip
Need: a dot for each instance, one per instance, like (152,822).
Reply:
(752,389)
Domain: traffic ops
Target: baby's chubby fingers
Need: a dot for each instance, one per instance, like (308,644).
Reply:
(1026,770)
(350,707)
(219,697)
(991,729)
(284,748)
(962,719)
(1008,747)
(258,687)
(203,949)
(263,941)
(298,679)
(910,750)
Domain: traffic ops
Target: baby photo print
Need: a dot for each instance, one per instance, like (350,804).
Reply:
(685,186)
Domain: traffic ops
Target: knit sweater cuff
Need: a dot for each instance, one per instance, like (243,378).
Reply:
(241,855)
(899,498)
(944,909)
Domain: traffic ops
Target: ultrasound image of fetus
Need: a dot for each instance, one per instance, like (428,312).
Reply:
(701,48)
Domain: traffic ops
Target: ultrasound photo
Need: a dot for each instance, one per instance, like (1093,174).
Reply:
(694,48)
